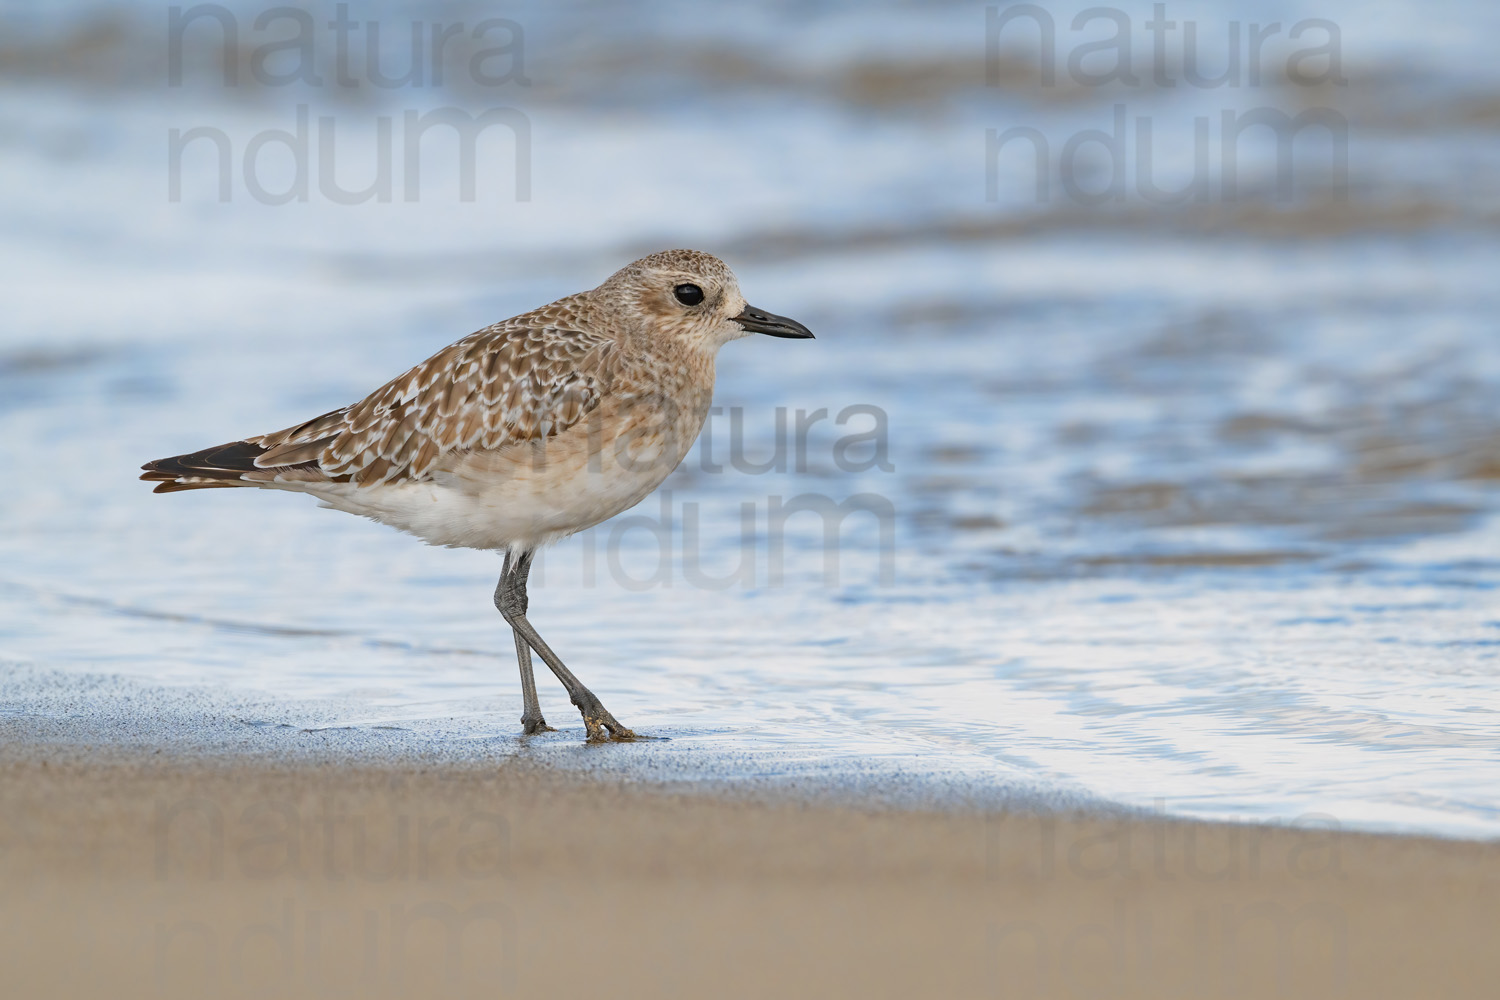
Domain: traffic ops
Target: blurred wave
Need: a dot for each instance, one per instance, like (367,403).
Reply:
(1190,502)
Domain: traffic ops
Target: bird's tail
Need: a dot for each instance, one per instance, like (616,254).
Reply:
(212,468)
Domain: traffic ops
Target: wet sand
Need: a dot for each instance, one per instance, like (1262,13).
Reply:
(129,874)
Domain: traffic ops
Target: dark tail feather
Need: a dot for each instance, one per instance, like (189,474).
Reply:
(218,467)
(164,487)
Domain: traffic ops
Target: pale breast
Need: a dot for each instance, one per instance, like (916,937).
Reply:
(533,492)
(607,463)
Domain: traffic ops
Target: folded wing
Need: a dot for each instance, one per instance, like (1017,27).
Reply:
(507,384)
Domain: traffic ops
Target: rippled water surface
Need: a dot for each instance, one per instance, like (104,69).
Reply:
(1164,509)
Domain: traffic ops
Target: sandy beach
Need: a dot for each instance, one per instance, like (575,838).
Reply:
(1104,604)
(143,874)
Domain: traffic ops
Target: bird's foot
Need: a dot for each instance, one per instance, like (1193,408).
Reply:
(603,727)
(532,726)
(607,730)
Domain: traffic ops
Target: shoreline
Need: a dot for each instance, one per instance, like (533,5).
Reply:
(61,714)
(151,874)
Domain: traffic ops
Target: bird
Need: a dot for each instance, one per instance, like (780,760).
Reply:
(520,434)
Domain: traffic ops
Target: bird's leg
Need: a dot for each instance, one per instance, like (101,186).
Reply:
(512,604)
(531,714)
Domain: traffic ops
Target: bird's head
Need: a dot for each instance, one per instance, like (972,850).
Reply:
(693,297)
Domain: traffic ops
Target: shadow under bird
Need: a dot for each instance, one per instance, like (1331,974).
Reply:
(520,434)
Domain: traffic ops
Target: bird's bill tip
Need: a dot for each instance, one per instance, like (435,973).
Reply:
(759,321)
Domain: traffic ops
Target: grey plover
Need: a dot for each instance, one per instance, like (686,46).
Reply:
(520,434)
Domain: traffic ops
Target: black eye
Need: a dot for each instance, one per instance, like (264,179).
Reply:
(688,295)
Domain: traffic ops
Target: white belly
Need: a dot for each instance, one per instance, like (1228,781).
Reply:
(523,496)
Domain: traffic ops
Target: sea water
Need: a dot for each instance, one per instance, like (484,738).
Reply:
(1074,503)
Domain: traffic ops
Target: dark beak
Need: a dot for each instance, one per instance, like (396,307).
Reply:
(759,321)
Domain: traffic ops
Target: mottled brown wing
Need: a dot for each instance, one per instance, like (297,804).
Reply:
(503,385)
